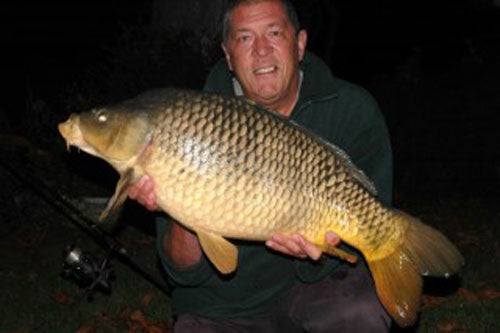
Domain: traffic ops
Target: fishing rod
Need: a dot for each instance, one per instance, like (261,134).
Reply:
(78,264)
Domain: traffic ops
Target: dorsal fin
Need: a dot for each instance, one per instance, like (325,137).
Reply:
(357,173)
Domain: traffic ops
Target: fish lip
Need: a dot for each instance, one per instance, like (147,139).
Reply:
(70,131)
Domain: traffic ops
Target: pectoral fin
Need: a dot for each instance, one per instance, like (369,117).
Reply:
(222,253)
(120,194)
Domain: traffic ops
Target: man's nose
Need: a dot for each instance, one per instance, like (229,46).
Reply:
(262,46)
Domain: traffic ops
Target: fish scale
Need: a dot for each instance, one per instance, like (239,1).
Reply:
(225,167)
(272,144)
(233,123)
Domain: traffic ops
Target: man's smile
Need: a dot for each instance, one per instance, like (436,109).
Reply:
(265,70)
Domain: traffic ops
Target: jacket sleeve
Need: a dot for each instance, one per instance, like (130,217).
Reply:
(187,276)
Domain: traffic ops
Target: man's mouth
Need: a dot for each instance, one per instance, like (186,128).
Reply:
(265,70)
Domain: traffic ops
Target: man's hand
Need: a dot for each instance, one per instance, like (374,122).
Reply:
(296,245)
(143,192)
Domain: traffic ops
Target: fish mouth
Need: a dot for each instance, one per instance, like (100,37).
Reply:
(70,131)
(265,69)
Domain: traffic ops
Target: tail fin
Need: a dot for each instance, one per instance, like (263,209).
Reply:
(425,251)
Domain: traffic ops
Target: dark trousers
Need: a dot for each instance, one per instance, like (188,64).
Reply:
(345,301)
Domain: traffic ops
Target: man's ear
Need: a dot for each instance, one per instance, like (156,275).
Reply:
(228,57)
(301,43)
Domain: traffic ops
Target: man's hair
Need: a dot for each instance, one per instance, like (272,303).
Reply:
(289,10)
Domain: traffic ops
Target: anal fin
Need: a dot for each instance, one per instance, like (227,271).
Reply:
(222,253)
(120,194)
(337,252)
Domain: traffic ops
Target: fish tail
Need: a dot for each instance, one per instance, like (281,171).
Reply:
(397,276)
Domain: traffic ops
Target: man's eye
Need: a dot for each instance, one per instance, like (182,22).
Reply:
(275,33)
(243,39)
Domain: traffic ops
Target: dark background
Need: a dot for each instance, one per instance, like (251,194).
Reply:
(433,66)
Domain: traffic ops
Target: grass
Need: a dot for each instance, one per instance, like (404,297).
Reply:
(470,302)
(36,298)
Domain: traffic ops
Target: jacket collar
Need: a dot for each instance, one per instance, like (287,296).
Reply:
(319,83)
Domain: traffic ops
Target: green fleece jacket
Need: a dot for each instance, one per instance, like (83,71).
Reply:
(339,112)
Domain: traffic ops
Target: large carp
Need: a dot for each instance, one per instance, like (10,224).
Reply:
(226,168)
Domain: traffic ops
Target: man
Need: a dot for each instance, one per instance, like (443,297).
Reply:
(287,285)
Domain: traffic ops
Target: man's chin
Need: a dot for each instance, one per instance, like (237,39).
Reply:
(268,94)
(267,100)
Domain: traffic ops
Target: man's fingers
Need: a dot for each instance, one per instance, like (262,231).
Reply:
(282,244)
(290,243)
(280,248)
(143,192)
(312,251)
(151,201)
(146,183)
(148,198)
(332,238)
(134,190)
(294,245)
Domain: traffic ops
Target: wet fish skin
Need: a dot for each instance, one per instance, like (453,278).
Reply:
(225,167)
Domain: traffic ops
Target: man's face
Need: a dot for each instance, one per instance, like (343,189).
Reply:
(264,52)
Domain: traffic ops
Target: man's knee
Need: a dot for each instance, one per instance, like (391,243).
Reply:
(195,324)
(351,305)
(367,316)
(365,312)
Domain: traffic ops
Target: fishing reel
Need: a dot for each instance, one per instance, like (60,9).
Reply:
(87,270)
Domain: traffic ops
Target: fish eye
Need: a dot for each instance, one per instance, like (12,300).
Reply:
(100,115)
(102,118)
